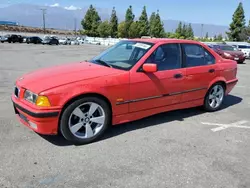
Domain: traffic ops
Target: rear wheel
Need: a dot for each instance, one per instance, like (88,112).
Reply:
(85,120)
(214,97)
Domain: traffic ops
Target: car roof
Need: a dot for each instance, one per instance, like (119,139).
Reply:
(160,40)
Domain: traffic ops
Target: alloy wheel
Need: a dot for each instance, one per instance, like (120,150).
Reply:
(216,96)
(86,120)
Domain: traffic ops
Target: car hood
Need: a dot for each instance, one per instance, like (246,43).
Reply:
(234,52)
(52,77)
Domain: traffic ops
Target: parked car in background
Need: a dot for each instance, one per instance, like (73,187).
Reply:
(62,41)
(245,49)
(50,41)
(131,80)
(228,52)
(4,38)
(25,39)
(68,41)
(34,40)
(15,38)
(75,42)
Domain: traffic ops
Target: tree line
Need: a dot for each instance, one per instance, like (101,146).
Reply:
(153,26)
(130,28)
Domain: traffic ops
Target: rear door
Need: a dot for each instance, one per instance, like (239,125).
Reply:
(200,71)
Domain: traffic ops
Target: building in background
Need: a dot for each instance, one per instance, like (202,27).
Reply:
(8,23)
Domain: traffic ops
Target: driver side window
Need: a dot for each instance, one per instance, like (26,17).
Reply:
(167,57)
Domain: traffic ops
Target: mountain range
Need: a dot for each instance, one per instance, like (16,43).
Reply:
(68,17)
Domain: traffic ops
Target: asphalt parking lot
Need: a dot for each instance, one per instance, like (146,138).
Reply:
(185,148)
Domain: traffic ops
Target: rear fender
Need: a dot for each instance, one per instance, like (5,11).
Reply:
(217,79)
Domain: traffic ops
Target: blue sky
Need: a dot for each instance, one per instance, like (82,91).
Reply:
(196,11)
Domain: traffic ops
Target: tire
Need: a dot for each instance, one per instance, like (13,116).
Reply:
(67,117)
(211,96)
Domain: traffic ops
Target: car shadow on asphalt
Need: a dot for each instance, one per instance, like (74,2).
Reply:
(165,117)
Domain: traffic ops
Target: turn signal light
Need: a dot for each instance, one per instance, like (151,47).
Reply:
(42,101)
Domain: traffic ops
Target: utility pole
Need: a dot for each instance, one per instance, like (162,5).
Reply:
(75,25)
(44,12)
(201,30)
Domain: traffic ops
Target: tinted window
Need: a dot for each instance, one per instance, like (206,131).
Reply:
(166,57)
(243,46)
(196,55)
(227,48)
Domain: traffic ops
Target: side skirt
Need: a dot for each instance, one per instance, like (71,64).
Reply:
(142,114)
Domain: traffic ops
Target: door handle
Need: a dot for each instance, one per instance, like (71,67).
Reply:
(211,70)
(178,76)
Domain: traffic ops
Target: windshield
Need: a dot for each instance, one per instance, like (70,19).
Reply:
(124,55)
(227,48)
(244,47)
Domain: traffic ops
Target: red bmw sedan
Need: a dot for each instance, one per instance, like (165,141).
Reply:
(129,81)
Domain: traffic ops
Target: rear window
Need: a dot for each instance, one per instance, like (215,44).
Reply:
(244,47)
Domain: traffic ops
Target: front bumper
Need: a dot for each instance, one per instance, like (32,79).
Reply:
(40,121)
(238,59)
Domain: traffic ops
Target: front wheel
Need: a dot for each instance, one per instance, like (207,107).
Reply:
(85,120)
(214,98)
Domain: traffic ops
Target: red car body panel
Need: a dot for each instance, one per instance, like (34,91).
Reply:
(132,95)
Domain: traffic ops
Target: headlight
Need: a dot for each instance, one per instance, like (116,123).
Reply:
(227,54)
(29,96)
(41,101)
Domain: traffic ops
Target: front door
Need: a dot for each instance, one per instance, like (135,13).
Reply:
(161,88)
(200,71)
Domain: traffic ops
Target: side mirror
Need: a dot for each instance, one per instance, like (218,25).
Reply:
(149,67)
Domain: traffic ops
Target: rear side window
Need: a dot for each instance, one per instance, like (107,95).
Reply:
(196,55)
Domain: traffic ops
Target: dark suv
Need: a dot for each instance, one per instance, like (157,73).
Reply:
(34,40)
(15,38)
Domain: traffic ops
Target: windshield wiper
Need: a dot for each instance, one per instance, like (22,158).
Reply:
(103,63)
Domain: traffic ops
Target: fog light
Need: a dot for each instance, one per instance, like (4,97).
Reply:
(33,125)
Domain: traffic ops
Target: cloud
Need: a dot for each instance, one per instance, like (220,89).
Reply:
(72,8)
(55,5)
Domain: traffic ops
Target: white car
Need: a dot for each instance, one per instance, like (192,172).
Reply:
(245,49)
(62,40)
(75,42)
(241,46)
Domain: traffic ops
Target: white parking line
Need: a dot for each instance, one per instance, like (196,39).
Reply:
(238,124)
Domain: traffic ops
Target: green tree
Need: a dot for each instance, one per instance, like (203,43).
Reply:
(121,30)
(134,31)
(178,30)
(215,38)
(172,36)
(91,22)
(238,23)
(152,23)
(219,37)
(129,19)
(206,37)
(184,33)
(190,32)
(104,29)
(113,24)
(143,24)
(158,27)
